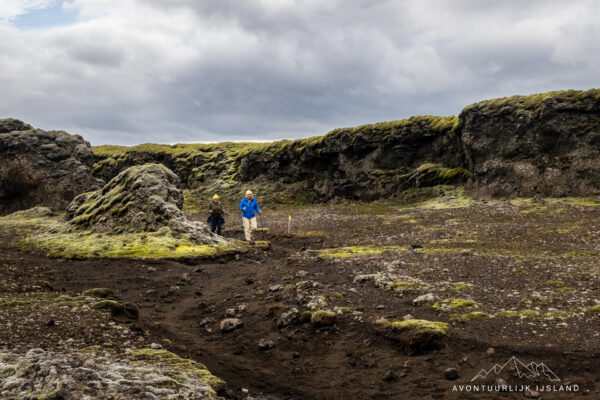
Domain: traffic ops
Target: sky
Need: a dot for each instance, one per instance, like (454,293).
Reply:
(181,71)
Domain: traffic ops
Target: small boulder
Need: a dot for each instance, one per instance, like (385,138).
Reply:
(502,385)
(265,344)
(119,310)
(425,298)
(102,293)
(389,376)
(323,317)
(230,324)
(288,317)
(451,374)
(531,394)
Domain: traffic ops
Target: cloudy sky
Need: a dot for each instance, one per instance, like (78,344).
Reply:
(134,71)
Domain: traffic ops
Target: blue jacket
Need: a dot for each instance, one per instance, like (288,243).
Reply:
(251,207)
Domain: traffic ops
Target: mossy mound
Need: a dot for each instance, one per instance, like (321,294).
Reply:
(142,198)
(102,293)
(322,317)
(417,336)
(455,303)
(119,310)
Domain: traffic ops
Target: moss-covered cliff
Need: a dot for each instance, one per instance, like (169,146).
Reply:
(546,144)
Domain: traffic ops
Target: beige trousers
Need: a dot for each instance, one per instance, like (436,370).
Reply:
(249,226)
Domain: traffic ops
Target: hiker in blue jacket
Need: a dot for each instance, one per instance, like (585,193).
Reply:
(248,207)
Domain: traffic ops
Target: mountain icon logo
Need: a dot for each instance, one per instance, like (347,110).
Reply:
(530,370)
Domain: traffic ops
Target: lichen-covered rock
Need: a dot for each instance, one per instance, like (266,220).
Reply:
(93,374)
(39,168)
(142,198)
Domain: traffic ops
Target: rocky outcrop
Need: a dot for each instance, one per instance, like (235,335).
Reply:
(367,162)
(546,144)
(39,168)
(143,198)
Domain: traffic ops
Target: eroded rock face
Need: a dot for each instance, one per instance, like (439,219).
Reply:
(39,168)
(366,162)
(547,144)
(142,198)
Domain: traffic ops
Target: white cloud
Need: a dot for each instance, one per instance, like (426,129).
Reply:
(132,71)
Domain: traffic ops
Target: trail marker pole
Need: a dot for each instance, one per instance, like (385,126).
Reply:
(289,223)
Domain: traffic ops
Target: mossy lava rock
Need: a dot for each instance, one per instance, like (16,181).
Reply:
(40,168)
(142,198)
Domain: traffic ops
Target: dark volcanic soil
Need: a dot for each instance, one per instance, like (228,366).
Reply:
(503,256)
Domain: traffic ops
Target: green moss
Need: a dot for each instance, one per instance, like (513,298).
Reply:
(58,239)
(475,315)
(416,325)
(437,174)
(558,314)
(98,292)
(15,303)
(322,317)
(176,367)
(302,233)
(118,309)
(333,295)
(595,308)
(355,251)
(455,303)
(517,314)
(532,103)
(306,316)
(460,286)
(273,308)
(403,285)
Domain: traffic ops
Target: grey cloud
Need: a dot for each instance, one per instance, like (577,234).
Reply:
(189,70)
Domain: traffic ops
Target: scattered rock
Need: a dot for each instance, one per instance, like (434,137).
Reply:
(425,298)
(230,312)
(531,394)
(265,344)
(490,351)
(230,324)
(288,317)
(389,376)
(451,374)
(274,288)
(503,386)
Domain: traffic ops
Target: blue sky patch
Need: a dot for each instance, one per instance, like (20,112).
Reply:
(53,15)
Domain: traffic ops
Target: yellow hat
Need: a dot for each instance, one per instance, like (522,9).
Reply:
(215,197)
